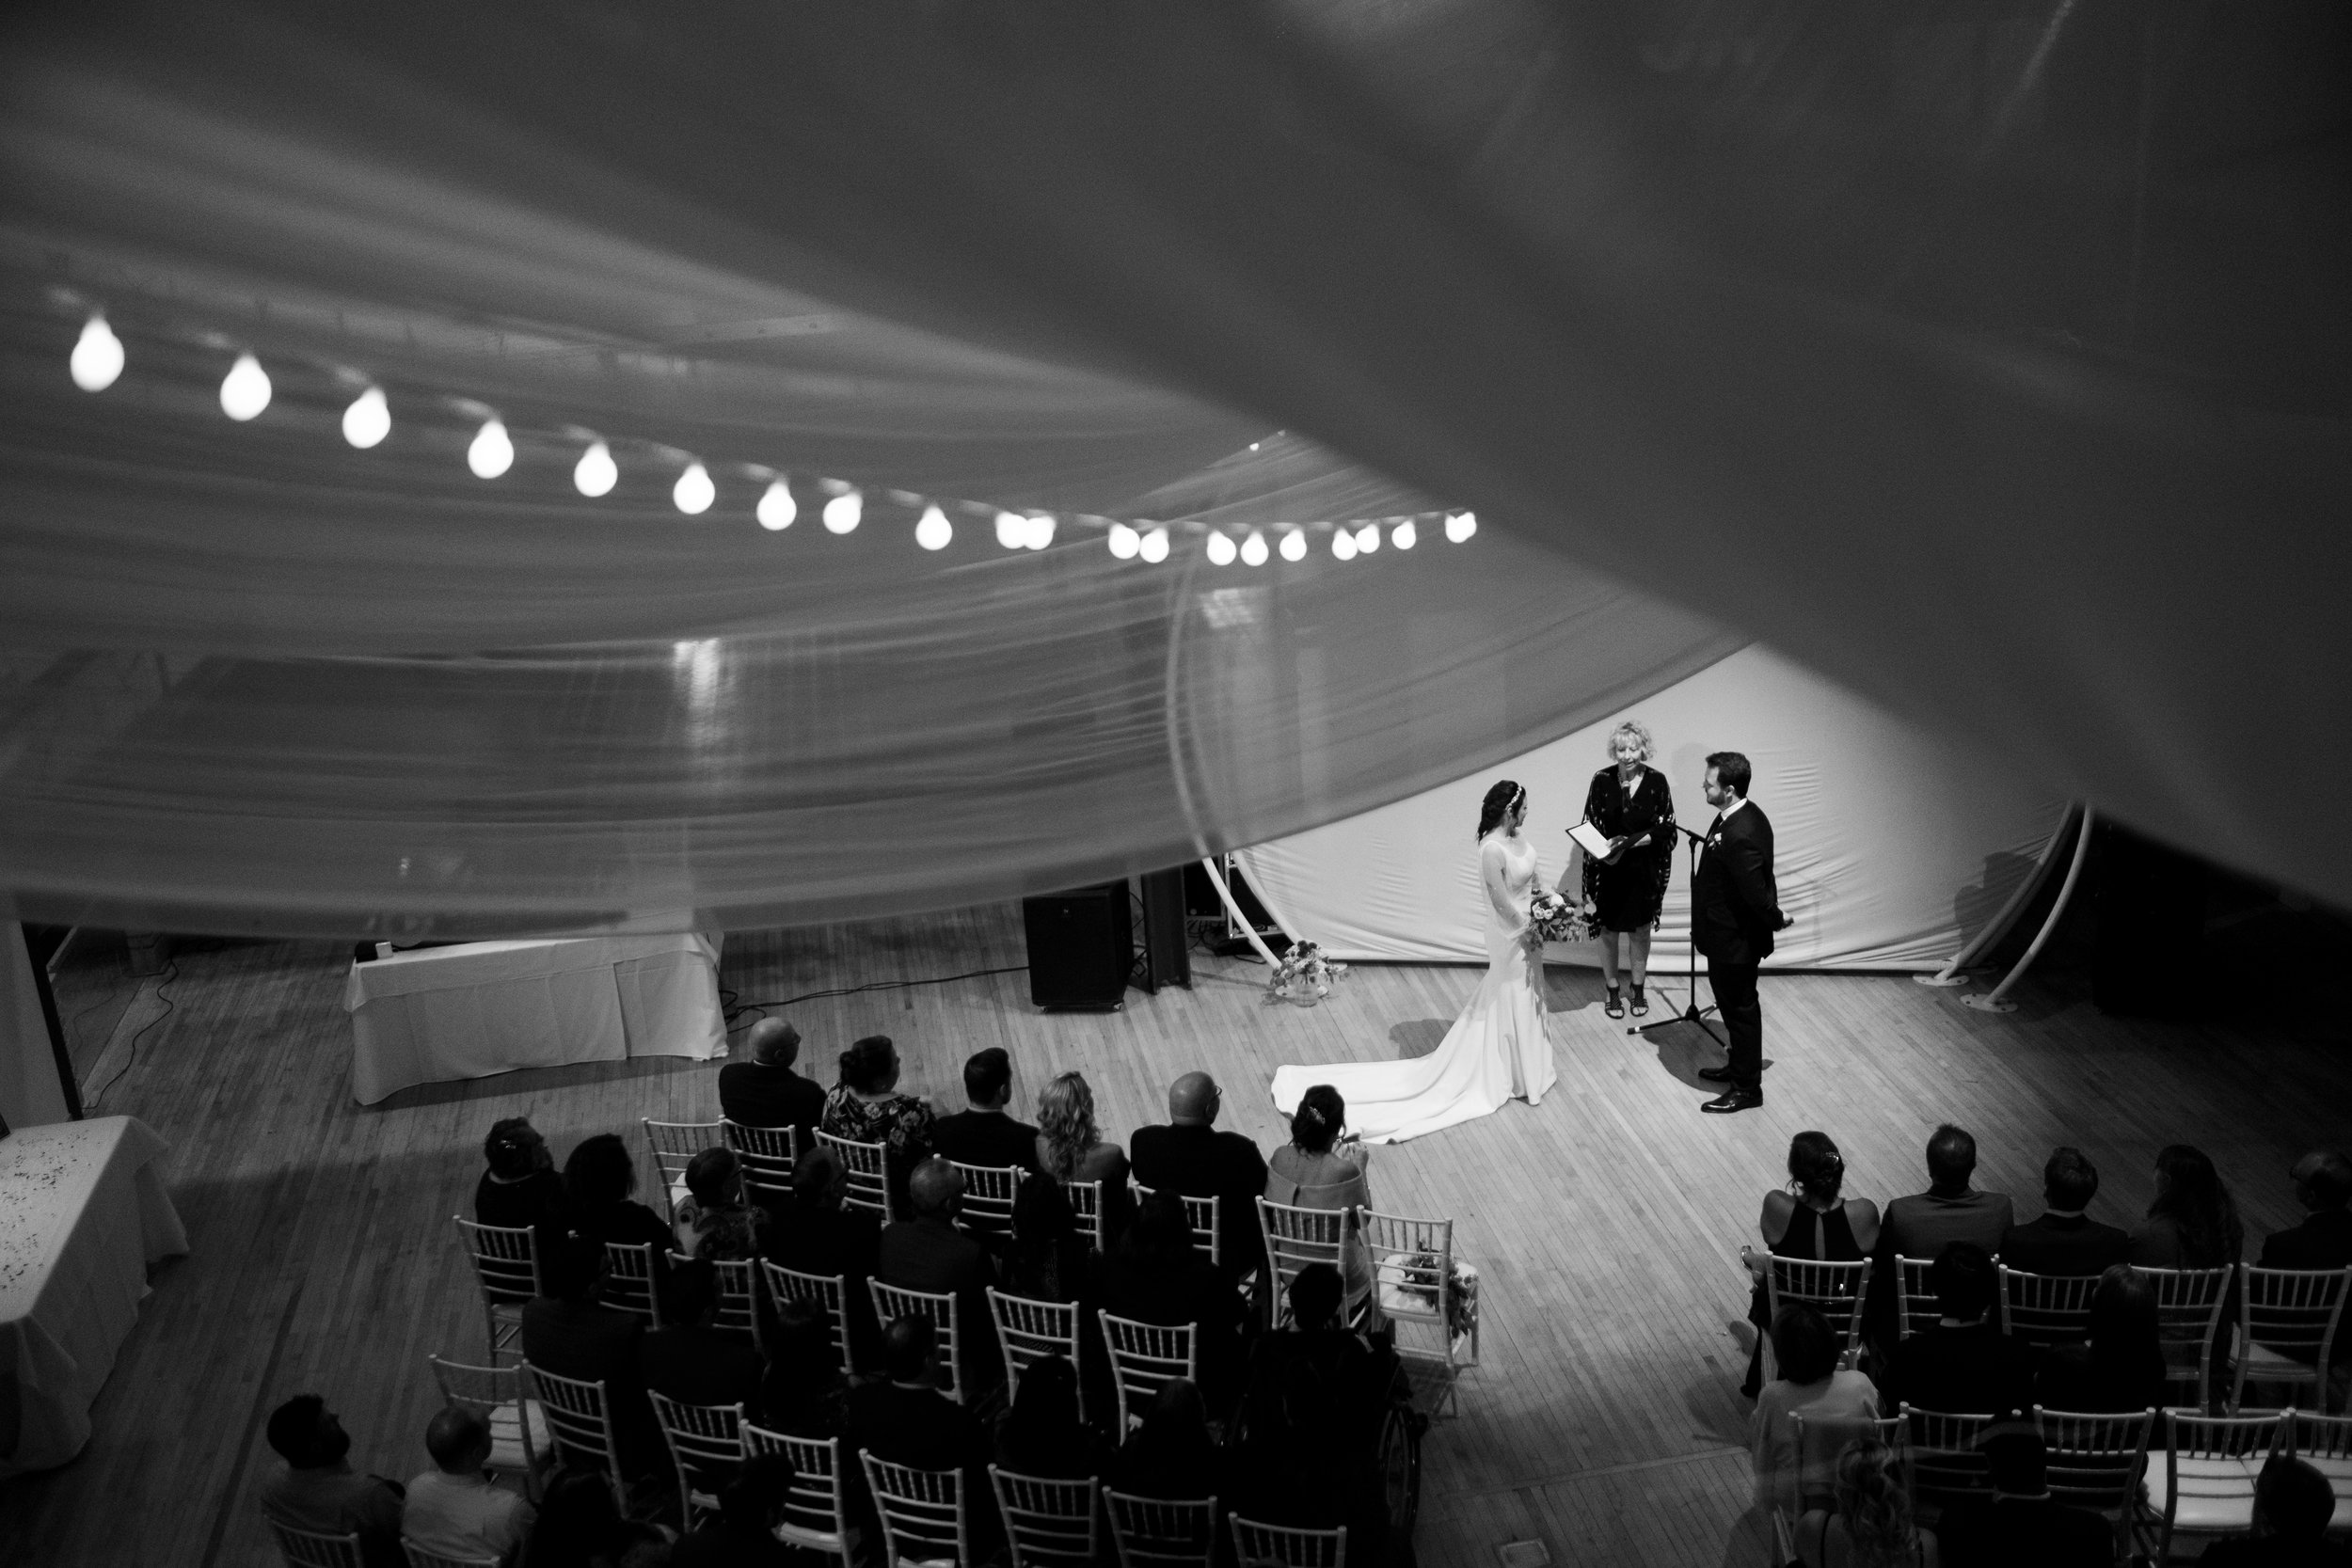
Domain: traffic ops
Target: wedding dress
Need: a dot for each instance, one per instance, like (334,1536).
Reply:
(1496,1051)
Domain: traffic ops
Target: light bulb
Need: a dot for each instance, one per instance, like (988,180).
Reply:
(1012,529)
(1126,541)
(596,473)
(1253,550)
(1221,550)
(491,453)
(933,531)
(97,357)
(1403,535)
(843,511)
(1039,532)
(1367,538)
(777,508)
(1342,544)
(367,421)
(1460,526)
(1294,544)
(693,492)
(1154,546)
(244,391)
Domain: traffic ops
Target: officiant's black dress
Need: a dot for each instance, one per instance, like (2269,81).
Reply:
(1628,895)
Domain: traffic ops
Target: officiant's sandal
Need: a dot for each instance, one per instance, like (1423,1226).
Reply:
(1641,1003)
(1614,1006)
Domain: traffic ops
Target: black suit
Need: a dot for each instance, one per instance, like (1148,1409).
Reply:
(2023,1532)
(2063,1244)
(2323,1241)
(1198,1161)
(985,1139)
(592,1343)
(931,1255)
(1977,1369)
(695,1365)
(756,1094)
(1735,909)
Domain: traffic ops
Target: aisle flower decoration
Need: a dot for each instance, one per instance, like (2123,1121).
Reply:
(1461,1297)
(1304,975)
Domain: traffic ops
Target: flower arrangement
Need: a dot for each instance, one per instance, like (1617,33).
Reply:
(1304,977)
(1461,1298)
(1554,918)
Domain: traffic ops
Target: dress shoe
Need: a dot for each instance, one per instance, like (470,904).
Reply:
(1734,1099)
(1717,1075)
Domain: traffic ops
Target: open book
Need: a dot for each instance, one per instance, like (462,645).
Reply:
(1591,840)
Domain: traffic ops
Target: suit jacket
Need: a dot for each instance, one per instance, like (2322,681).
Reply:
(1735,901)
(1959,1371)
(759,1095)
(2057,1245)
(921,1427)
(2023,1532)
(932,1254)
(596,1344)
(1922,1225)
(1201,1162)
(812,1238)
(695,1365)
(985,1139)
(2323,1241)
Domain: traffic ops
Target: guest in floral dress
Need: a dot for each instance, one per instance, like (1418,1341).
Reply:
(715,1222)
(866,1106)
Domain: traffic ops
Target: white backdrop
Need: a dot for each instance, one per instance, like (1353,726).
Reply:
(1892,846)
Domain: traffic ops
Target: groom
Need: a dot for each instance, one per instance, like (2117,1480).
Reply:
(1735,909)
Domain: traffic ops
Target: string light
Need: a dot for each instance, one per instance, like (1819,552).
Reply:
(1253,549)
(843,511)
(1012,529)
(1221,550)
(777,508)
(1342,544)
(1039,532)
(1154,546)
(1294,544)
(1460,526)
(1367,538)
(1124,541)
(693,492)
(596,473)
(933,531)
(1403,535)
(244,391)
(492,453)
(367,420)
(97,357)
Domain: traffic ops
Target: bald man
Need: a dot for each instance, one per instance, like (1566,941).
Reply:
(1191,1157)
(764,1091)
(930,1253)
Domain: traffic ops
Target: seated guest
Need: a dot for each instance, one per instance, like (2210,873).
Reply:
(567,1332)
(2019,1525)
(690,1359)
(804,1390)
(1809,1218)
(1048,1260)
(2193,1224)
(1871,1526)
(2120,1366)
(599,1184)
(1810,1381)
(815,1232)
(985,1135)
(1921,1225)
(1171,1455)
(1191,1157)
(928,1253)
(580,1527)
(520,1188)
(1041,1434)
(318,1491)
(1156,1275)
(1069,1148)
(2323,1185)
(715,1222)
(1965,1365)
(907,1420)
(2065,1241)
(751,1506)
(2292,1505)
(1310,1385)
(867,1107)
(452,1508)
(1312,1172)
(762,1090)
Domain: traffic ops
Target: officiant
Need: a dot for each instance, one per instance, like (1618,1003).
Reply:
(1630,805)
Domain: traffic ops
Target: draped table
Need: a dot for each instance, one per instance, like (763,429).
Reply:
(440,1014)
(83,1212)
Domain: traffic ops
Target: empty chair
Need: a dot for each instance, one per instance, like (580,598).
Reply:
(2188,1320)
(1412,1272)
(420,1558)
(706,1445)
(922,1512)
(1298,1237)
(2044,1309)
(868,1166)
(1941,1461)
(506,1269)
(628,1280)
(891,1302)
(2203,1482)
(1836,1291)
(1144,1357)
(520,1444)
(1258,1546)
(303,1548)
(2095,1460)
(1086,1202)
(580,1421)
(816,1516)
(1915,1305)
(2286,1328)
(1049,1524)
(988,1193)
(826,1293)
(1820,1439)
(765,1155)
(1151,1533)
(675,1144)
(1031,1330)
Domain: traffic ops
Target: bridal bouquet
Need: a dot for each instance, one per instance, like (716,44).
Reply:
(1554,918)
(1304,975)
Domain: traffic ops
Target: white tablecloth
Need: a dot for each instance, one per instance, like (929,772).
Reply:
(82,1213)
(445,1013)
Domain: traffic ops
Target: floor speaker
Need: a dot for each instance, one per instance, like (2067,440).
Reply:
(1082,946)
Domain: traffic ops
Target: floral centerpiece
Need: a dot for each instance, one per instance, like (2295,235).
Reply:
(1554,918)
(1304,977)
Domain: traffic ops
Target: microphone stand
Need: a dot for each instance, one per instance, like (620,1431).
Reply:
(1693,1012)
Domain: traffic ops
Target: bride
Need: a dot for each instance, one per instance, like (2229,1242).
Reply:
(1497,1049)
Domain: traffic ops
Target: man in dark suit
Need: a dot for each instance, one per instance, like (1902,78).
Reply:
(928,1253)
(567,1332)
(1735,909)
(764,1091)
(814,1232)
(1191,1157)
(2065,1241)
(986,1134)
(2323,1184)
(1965,1364)
(907,1420)
(693,1361)
(2020,1523)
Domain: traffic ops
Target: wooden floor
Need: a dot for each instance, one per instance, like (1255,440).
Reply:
(1605,1421)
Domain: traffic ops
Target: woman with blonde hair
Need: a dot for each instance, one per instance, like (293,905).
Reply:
(1872,1527)
(1626,890)
(1069,1148)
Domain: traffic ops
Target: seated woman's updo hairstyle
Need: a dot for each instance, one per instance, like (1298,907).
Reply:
(1815,1166)
(1315,1125)
(1498,804)
(868,1066)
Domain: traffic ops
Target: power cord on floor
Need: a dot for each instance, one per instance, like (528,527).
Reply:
(761,1007)
(171,973)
